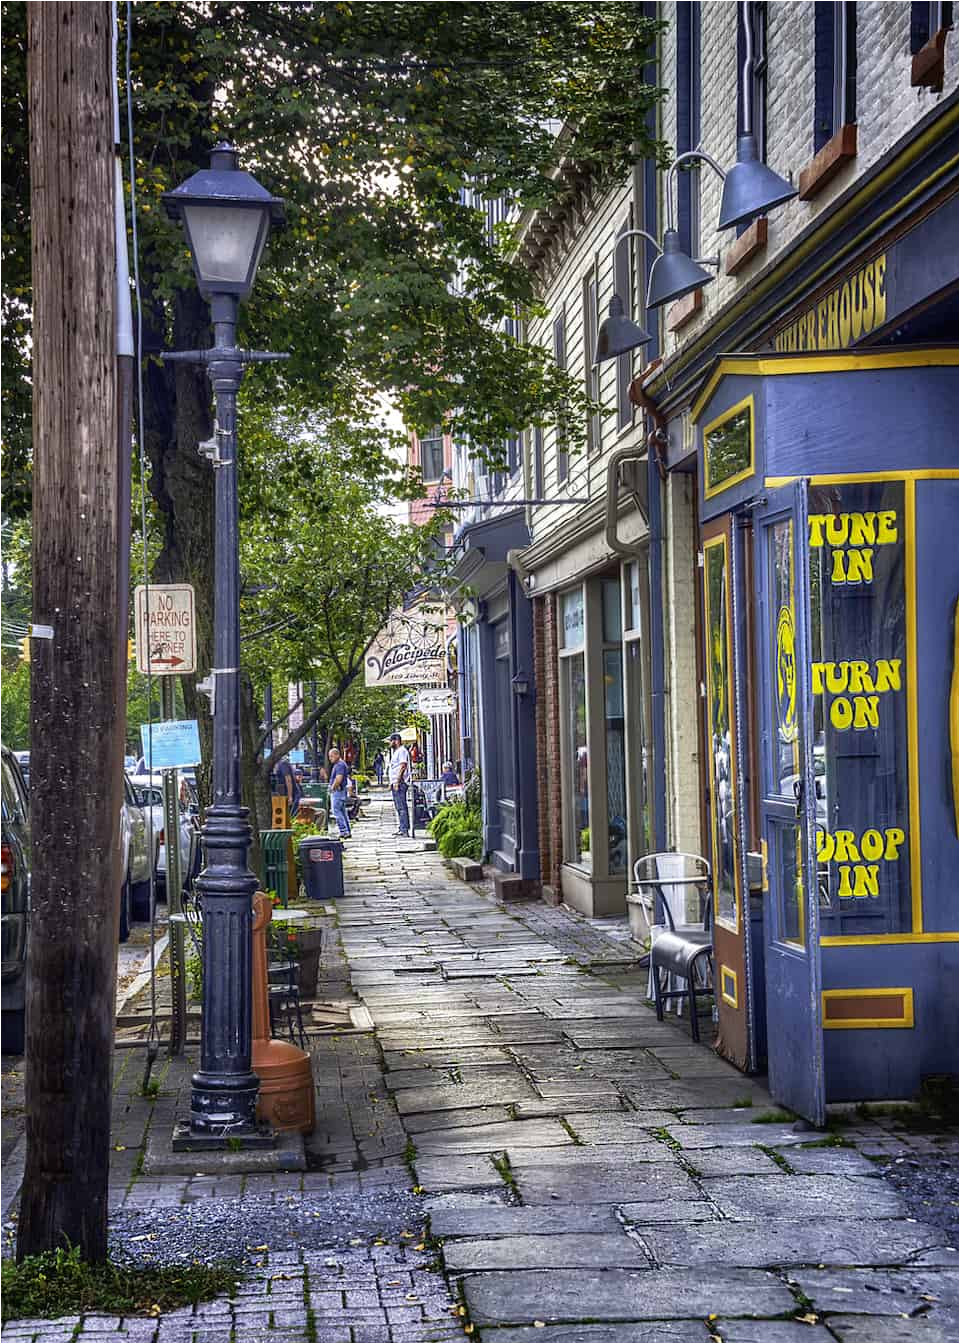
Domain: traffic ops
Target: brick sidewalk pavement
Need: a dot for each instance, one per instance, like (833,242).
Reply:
(582,1172)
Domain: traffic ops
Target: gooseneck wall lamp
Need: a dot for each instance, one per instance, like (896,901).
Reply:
(227,216)
(750,189)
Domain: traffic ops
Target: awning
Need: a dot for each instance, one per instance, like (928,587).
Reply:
(482,548)
(406,735)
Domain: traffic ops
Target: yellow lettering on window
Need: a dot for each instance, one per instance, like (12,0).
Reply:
(887,674)
(863,529)
(887,527)
(866,712)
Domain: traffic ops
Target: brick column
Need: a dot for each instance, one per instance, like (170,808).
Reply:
(546,673)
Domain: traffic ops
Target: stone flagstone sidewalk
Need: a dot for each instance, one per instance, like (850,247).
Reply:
(522,1152)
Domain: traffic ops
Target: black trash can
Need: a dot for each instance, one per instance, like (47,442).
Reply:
(322,863)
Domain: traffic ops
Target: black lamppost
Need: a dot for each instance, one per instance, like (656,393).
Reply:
(227,216)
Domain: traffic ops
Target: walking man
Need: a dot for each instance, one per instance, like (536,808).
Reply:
(338,793)
(378,766)
(399,781)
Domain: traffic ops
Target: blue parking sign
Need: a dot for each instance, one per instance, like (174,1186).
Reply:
(176,743)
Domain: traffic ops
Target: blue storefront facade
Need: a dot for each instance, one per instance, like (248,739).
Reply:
(497,693)
(825,454)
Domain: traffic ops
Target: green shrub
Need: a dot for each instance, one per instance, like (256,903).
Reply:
(458,830)
(462,842)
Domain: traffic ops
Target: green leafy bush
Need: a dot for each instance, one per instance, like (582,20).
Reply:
(458,830)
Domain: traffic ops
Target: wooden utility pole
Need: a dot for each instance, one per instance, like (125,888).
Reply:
(78,676)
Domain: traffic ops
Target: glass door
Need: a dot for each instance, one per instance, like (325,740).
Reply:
(788,806)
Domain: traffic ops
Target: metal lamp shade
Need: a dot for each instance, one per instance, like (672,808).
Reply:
(227,216)
(617,334)
(750,188)
(673,273)
(226,242)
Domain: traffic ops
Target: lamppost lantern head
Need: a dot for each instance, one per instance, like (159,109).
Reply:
(226,215)
(750,188)
(673,273)
(617,333)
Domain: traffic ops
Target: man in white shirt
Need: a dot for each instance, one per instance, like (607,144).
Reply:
(399,781)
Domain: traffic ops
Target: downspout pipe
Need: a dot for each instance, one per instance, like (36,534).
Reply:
(655,559)
(610,535)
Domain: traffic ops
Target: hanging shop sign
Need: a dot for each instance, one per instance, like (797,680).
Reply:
(436,701)
(409,651)
(166,629)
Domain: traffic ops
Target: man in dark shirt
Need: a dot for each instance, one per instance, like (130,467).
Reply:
(289,785)
(338,792)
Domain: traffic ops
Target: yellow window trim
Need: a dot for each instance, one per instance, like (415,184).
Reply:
(745,405)
(904,993)
(729,996)
(844,477)
(734,925)
(885,939)
(772,366)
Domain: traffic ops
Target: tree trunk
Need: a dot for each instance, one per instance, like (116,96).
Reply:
(178,415)
(79,682)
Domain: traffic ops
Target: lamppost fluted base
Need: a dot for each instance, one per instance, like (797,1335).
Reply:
(223,1097)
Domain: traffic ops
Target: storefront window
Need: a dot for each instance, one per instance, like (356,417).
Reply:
(614,726)
(578,796)
(787,838)
(573,691)
(728,448)
(571,619)
(861,675)
(721,763)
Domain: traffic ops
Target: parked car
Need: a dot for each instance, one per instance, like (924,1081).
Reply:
(149,791)
(135,866)
(23,760)
(15,881)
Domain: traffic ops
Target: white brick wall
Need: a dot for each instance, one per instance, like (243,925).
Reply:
(886,108)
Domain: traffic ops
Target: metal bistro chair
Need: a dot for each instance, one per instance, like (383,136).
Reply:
(681,953)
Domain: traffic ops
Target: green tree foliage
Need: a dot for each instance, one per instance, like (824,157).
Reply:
(369,119)
(373,120)
(15,692)
(322,565)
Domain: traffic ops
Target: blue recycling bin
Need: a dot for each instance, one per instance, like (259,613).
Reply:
(321,861)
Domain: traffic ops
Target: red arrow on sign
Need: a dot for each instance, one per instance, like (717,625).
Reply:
(167,662)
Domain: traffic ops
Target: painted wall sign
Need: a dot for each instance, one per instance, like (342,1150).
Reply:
(409,651)
(167,633)
(844,315)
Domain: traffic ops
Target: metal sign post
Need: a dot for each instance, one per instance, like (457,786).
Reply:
(171,835)
(167,647)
